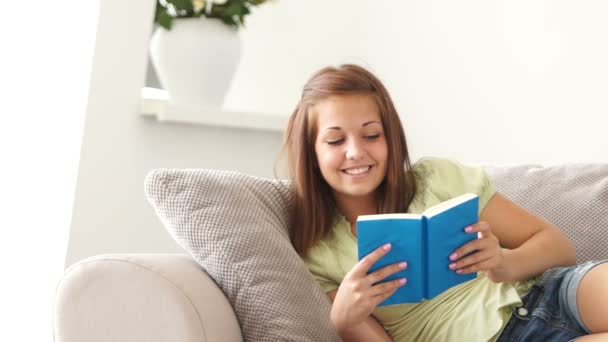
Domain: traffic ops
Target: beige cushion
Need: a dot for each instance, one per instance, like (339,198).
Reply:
(573,197)
(235,226)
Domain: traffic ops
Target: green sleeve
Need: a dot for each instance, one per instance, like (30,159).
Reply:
(322,264)
(447,178)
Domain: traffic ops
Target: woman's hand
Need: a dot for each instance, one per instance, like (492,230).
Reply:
(488,256)
(359,293)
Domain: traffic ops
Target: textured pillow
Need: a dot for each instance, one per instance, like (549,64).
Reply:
(235,226)
(573,197)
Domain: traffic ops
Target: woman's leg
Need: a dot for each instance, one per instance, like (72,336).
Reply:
(593,338)
(592,299)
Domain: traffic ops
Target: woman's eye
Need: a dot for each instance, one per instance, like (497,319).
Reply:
(335,142)
(372,136)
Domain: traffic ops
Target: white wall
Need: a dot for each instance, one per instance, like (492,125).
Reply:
(501,81)
(45,67)
(119,146)
(489,81)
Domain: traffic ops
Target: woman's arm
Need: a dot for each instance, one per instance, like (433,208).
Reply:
(368,330)
(534,244)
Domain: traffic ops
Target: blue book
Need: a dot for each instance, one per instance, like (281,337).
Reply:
(425,241)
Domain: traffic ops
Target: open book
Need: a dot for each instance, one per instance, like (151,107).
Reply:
(425,241)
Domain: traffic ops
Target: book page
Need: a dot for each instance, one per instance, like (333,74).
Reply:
(443,206)
(389,216)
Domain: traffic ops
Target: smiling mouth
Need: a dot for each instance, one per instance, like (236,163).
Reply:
(358,170)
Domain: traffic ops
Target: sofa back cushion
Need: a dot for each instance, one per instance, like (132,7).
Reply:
(235,226)
(573,197)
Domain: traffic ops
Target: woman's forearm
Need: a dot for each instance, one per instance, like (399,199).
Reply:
(545,249)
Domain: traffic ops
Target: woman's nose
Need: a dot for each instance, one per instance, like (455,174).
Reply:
(354,151)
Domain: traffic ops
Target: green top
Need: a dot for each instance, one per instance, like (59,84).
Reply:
(476,310)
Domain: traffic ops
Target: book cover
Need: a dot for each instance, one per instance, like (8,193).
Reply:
(425,241)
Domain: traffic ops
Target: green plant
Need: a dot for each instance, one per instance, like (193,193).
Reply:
(231,12)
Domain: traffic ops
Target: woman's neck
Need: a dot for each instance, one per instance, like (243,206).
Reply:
(353,207)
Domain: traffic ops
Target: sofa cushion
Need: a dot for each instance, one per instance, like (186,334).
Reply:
(235,226)
(573,197)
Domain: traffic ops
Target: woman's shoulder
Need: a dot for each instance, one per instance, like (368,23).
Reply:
(430,163)
(448,178)
(437,168)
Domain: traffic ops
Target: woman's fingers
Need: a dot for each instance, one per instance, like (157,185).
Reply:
(357,296)
(487,240)
(486,247)
(385,271)
(387,286)
(467,248)
(485,265)
(472,259)
(383,296)
(361,268)
(481,227)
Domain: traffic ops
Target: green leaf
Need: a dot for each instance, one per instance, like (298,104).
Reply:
(229,21)
(164,19)
(182,5)
(232,10)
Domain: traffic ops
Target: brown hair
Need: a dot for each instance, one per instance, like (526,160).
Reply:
(315,209)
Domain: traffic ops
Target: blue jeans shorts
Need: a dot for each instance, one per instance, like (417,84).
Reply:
(549,311)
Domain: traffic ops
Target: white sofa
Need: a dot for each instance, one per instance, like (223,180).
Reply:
(169,297)
(141,297)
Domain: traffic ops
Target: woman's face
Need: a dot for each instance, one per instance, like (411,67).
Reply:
(350,144)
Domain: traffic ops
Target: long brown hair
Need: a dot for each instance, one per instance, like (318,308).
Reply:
(315,209)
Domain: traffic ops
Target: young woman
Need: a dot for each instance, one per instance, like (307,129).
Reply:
(348,157)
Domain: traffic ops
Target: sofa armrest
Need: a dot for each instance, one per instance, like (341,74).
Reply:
(141,297)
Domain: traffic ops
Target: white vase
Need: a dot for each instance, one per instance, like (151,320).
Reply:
(196,61)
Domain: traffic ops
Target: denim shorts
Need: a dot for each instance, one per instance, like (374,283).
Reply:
(549,311)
